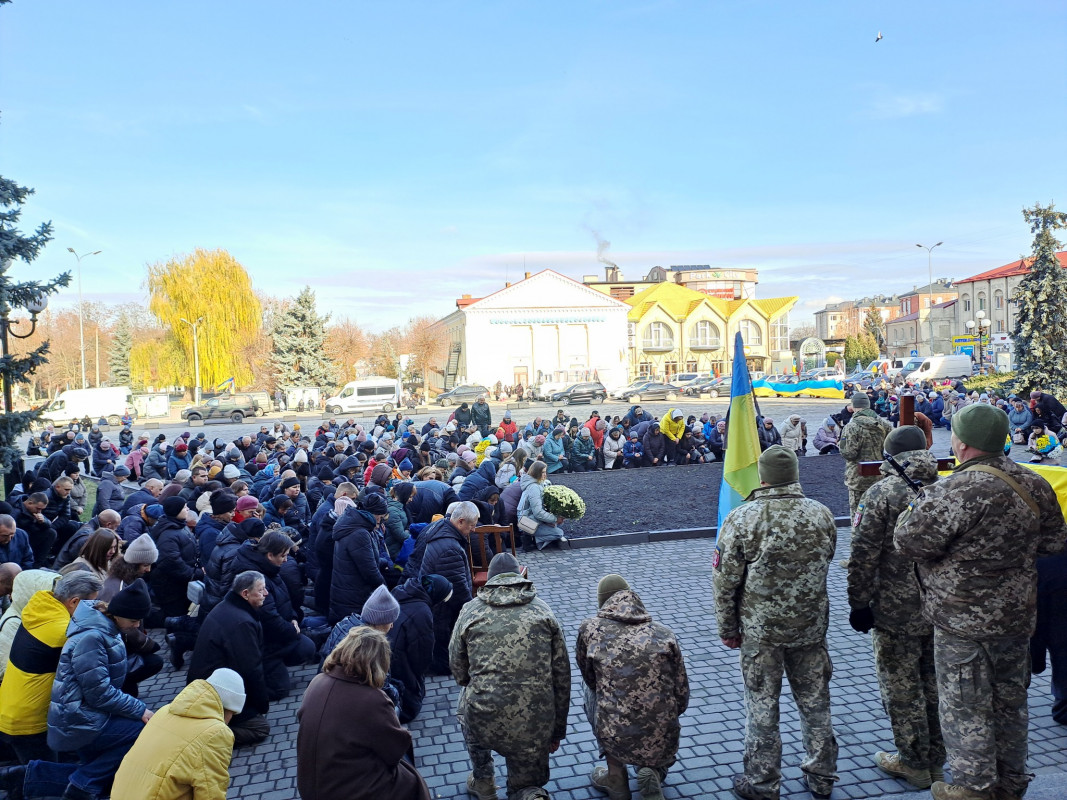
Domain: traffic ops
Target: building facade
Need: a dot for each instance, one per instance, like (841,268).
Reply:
(546,327)
(673,329)
(837,321)
(734,283)
(912,332)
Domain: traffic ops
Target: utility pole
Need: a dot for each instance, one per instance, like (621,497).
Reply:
(98,356)
(81,308)
(930,311)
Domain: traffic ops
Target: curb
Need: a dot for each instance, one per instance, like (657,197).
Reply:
(623,538)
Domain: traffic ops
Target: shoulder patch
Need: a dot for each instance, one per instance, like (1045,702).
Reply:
(859,515)
(716,558)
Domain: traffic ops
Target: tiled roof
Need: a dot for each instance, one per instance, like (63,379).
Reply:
(1020,267)
(680,302)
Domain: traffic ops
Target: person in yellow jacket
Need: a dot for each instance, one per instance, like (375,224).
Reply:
(672,426)
(184,750)
(26,689)
(27,583)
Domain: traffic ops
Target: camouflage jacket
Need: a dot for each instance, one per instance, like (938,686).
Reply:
(862,440)
(636,670)
(770,566)
(976,543)
(509,655)
(879,576)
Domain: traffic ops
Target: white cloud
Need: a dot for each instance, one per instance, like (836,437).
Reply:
(907,105)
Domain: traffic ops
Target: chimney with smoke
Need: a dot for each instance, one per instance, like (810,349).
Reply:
(611,269)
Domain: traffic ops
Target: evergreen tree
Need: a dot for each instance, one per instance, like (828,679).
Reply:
(298,355)
(16,295)
(873,325)
(118,356)
(1040,334)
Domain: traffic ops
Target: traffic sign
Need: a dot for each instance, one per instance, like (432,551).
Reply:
(914,353)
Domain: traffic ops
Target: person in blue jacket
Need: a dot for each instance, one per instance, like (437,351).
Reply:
(90,716)
(633,452)
(412,638)
(178,458)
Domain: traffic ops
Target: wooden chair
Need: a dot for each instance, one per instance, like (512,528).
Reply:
(478,543)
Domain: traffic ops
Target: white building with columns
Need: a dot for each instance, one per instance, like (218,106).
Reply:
(546,327)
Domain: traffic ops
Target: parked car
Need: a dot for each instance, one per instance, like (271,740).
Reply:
(467,393)
(712,387)
(618,393)
(544,391)
(588,392)
(651,391)
(683,379)
(234,407)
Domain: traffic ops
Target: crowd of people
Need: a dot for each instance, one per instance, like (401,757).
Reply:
(348,547)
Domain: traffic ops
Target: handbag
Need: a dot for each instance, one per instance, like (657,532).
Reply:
(528,525)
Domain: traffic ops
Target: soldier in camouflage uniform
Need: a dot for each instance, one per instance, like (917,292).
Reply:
(635,675)
(976,536)
(770,567)
(509,655)
(884,594)
(861,440)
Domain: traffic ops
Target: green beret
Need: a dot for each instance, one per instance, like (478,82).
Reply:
(859,400)
(982,426)
(903,439)
(778,466)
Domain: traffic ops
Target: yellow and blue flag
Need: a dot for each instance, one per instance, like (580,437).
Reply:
(740,470)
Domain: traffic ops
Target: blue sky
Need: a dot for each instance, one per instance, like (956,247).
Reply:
(395,155)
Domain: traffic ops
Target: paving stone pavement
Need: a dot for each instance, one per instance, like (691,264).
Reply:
(674,579)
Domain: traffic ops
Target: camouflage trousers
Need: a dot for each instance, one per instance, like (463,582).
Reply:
(527,768)
(589,702)
(908,682)
(982,691)
(854,495)
(808,669)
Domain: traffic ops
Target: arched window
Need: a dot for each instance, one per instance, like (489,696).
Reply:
(998,300)
(704,335)
(751,334)
(981,301)
(966,302)
(658,336)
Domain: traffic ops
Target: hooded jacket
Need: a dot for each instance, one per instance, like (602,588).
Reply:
(176,565)
(109,494)
(431,497)
(654,442)
(277,614)
(478,480)
(672,428)
(155,464)
(356,559)
(88,688)
(509,654)
(31,669)
(862,439)
(27,584)
(794,434)
(553,451)
(635,669)
(183,752)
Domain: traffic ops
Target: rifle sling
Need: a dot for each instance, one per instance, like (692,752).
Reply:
(1019,490)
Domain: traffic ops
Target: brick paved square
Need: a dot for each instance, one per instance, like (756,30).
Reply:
(674,579)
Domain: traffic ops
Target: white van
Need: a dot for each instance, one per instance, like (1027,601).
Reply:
(108,403)
(370,394)
(935,368)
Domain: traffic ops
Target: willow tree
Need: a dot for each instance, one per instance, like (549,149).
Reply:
(211,284)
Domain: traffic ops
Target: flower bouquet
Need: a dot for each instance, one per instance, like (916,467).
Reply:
(563,502)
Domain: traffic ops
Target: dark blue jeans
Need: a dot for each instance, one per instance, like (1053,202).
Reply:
(99,761)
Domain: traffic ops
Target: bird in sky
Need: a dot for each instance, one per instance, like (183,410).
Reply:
(878,38)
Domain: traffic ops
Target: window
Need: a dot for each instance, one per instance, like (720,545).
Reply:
(751,334)
(213,402)
(780,333)
(998,300)
(966,302)
(1000,326)
(348,392)
(658,337)
(644,369)
(704,334)
(981,301)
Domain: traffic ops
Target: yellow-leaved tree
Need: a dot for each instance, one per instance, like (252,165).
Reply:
(213,285)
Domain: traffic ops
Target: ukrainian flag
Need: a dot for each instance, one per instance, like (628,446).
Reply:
(740,473)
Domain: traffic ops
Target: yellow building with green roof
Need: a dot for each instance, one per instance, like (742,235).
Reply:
(675,330)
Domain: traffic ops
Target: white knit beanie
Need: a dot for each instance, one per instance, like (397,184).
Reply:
(231,689)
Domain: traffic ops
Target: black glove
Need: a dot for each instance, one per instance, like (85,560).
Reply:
(861,619)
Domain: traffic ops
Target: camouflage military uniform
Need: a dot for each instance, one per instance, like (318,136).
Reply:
(976,543)
(636,671)
(509,655)
(770,567)
(861,440)
(880,577)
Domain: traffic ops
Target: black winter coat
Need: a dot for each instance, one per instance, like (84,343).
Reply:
(232,637)
(138,498)
(323,547)
(132,525)
(276,614)
(655,445)
(480,479)
(219,572)
(356,558)
(109,495)
(412,640)
(176,565)
(431,497)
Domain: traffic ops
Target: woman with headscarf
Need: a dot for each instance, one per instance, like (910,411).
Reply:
(827,437)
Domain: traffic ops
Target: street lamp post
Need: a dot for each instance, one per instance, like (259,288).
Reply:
(981,322)
(196,356)
(930,269)
(81,314)
(35,307)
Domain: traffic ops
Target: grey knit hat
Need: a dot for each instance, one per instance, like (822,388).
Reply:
(381,608)
(141,550)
